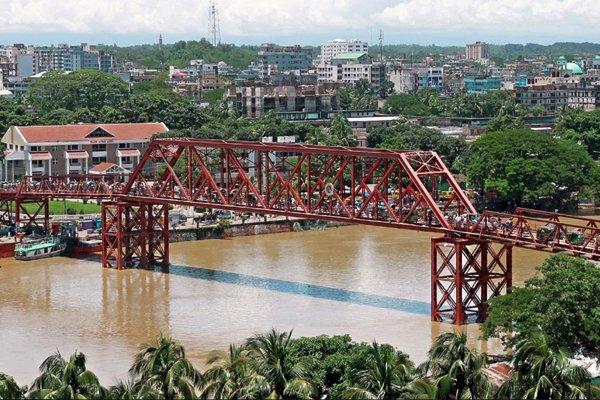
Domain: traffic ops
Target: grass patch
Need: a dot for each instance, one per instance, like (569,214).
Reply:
(59,207)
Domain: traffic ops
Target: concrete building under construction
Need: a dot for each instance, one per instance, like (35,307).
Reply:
(256,99)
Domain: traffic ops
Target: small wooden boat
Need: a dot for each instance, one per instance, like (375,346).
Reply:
(88,246)
(41,248)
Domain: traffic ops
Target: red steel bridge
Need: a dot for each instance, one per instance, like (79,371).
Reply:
(471,260)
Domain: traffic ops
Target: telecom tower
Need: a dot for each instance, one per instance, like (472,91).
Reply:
(214,31)
(381,45)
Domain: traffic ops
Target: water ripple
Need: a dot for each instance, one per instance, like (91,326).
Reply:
(305,289)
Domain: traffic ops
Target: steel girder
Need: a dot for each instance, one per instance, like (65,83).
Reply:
(400,189)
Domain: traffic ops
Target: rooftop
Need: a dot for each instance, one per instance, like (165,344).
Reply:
(85,132)
(350,56)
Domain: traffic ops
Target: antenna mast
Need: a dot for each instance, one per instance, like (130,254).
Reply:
(214,29)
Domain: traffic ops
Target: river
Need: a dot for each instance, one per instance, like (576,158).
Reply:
(372,283)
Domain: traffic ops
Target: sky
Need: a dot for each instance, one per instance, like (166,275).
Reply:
(307,22)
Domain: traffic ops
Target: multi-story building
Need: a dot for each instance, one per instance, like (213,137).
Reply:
(65,149)
(256,99)
(478,51)
(555,97)
(349,68)
(430,78)
(481,84)
(71,58)
(273,59)
(332,48)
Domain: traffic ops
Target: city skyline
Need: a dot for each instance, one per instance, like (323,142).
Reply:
(453,22)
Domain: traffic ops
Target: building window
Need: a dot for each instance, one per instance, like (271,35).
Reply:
(99,147)
(126,160)
(37,163)
(54,161)
(74,161)
(98,160)
(36,148)
(124,145)
(54,148)
(73,147)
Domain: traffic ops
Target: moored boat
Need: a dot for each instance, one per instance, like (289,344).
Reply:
(88,246)
(41,248)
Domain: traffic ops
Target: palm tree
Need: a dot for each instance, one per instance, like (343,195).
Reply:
(431,389)
(384,376)
(164,369)
(231,376)
(450,357)
(272,359)
(66,379)
(541,372)
(9,388)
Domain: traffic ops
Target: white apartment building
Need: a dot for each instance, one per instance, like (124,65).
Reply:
(335,47)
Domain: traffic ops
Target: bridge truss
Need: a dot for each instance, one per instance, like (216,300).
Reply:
(471,261)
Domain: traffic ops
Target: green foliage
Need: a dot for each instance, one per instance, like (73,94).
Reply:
(9,388)
(407,136)
(561,303)
(385,374)
(158,85)
(505,122)
(361,96)
(545,373)
(340,134)
(180,53)
(62,379)
(272,358)
(163,371)
(214,97)
(527,168)
(85,89)
(582,127)
(456,370)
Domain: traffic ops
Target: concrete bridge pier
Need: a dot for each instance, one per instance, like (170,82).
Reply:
(465,275)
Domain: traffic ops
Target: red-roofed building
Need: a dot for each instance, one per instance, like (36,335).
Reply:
(74,149)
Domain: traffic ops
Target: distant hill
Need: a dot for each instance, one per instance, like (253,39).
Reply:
(504,51)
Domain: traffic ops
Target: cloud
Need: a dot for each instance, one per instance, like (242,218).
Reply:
(301,19)
(539,16)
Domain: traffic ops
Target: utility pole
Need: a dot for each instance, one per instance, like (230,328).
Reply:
(214,29)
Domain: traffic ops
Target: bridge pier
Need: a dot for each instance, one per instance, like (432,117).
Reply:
(134,235)
(465,274)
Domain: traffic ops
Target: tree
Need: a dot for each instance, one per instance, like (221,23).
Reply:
(272,358)
(340,134)
(561,304)
(82,89)
(458,370)
(527,168)
(385,375)
(542,372)
(406,104)
(581,127)
(61,379)
(360,96)
(505,122)
(164,369)
(231,376)
(9,388)
(407,136)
